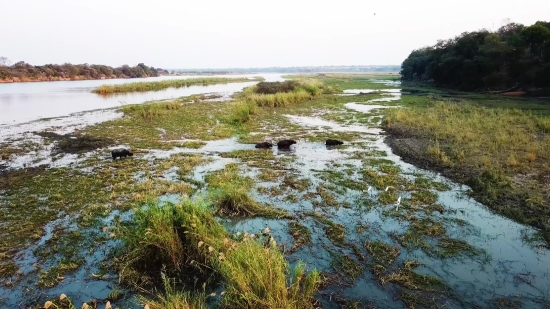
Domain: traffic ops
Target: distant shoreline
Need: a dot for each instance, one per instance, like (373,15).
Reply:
(62,79)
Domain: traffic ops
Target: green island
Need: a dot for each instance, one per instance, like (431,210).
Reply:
(210,226)
(177,83)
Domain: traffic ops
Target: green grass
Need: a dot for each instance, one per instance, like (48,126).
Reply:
(502,153)
(164,84)
(299,92)
(230,193)
(172,299)
(189,242)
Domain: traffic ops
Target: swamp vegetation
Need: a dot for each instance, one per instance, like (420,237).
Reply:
(199,218)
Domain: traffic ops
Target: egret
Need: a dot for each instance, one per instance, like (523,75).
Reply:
(398,203)
(388,188)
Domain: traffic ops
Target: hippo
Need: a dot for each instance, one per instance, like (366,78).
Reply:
(264,145)
(333,142)
(121,153)
(285,144)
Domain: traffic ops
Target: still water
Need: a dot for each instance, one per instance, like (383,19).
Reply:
(24,102)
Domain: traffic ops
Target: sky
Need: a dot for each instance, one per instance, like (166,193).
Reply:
(243,33)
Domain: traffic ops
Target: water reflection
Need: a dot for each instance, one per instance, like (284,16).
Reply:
(23,102)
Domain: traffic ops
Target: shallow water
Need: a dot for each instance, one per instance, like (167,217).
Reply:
(508,268)
(23,102)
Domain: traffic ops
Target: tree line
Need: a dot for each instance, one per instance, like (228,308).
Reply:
(303,69)
(22,71)
(515,56)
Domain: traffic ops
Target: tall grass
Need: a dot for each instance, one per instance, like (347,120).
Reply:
(479,131)
(265,281)
(187,240)
(164,84)
(276,94)
(167,236)
(172,299)
(230,195)
(502,154)
(242,111)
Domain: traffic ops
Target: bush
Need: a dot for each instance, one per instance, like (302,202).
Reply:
(276,87)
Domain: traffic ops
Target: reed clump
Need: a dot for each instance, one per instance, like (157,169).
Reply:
(164,84)
(187,241)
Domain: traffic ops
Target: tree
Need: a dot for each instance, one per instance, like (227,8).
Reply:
(4,61)
(512,55)
(536,35)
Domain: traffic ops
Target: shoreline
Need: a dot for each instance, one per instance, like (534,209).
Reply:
(66,79)
(411,145)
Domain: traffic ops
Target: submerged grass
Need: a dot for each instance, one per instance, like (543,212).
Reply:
(164,84)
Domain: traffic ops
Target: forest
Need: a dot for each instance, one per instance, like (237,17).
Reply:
(22,71)
(514,57)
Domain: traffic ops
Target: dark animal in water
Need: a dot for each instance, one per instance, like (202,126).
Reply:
(264,145)
(285,144)
(333,142)
(121,153)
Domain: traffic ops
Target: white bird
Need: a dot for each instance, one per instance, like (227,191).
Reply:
(368,189)
(388,188)
(398,203)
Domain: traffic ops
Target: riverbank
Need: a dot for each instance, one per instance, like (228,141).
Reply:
(501,151)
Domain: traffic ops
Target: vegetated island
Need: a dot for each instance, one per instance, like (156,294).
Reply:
(515,58)
(164,84)
(24,72)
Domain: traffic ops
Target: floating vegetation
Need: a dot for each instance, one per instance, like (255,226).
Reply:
(347,267)
(382,253)
(300,233)
(406,277)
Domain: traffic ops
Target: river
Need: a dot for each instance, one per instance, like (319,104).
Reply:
(24,102)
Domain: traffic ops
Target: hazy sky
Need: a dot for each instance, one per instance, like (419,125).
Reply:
(243,33)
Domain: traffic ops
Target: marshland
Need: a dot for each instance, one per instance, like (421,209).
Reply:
(436,199)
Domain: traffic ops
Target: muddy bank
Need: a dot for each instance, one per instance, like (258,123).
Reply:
(491,188)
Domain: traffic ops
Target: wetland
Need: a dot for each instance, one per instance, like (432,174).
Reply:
(435,200)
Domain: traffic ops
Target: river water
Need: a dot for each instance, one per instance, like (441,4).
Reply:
(24,102)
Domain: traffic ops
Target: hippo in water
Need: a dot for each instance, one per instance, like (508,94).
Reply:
(264,145)
(333,142)
(285,144)
(121,153)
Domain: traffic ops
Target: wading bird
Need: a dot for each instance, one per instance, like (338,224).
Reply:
(398,203)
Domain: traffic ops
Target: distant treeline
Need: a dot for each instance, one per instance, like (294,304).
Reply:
(23,72)
(515,55)
(316,69)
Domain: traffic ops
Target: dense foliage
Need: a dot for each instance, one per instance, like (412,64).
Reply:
(22,71)
(513,55)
